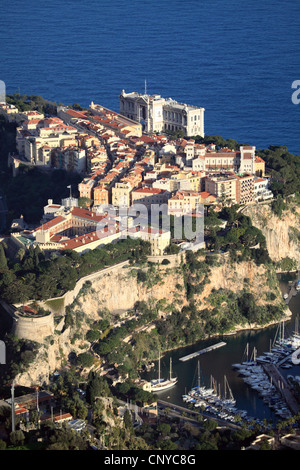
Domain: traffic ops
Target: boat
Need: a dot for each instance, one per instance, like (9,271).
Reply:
(159,385)
(298,285)
(285,296)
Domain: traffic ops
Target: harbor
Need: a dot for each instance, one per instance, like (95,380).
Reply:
(251,395)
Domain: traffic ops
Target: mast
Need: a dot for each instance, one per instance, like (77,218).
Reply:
(229,389)
(246,352)
(276,334)
(199,375)
(170,368)
(296,324)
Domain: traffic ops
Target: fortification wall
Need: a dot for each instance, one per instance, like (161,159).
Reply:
(34,329)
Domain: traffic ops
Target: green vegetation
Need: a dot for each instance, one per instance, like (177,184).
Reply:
(284,169)
(31,102)
(20,353)
(240,238)
(33,276)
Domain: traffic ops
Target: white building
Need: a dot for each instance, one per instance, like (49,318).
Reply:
(261,189)
(158,114)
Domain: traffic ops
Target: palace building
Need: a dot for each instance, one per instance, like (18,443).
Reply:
(158,114)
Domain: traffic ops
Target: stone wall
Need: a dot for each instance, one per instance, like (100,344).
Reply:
(34,329)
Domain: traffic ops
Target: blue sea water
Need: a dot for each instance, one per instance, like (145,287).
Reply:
(236,58)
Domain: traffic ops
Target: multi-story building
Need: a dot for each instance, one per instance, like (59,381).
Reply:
(158,114)
(86,187)
(188,202)
(149,196)
(82,230)
(241,161)
(261,189)
(102,194)
(121,125)
(71,158)
(259,165)
(245,189)
(121,193)
(223,186)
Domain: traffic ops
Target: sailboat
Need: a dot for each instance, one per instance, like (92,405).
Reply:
(228,400)
(159,385)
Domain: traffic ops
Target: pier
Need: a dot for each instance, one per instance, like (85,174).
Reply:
(202,351)
(283,387)
(293,290)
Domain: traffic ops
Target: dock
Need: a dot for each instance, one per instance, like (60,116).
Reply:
(293,291)
(283,387)
(202,351)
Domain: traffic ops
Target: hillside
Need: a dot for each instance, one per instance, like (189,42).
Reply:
(282,232)
(158,306)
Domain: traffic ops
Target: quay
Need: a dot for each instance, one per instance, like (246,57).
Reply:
(190,415)
(293,290)
(282,386)
(202,351)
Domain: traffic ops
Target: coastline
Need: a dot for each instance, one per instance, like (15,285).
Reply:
(239,328)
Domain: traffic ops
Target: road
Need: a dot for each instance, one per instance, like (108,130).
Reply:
(176,411)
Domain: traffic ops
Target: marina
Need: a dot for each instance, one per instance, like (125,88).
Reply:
(262,373)
(202,351)
(257,395)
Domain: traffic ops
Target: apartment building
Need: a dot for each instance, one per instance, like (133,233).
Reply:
(158,114)
(245,189)
(121,194)
(188,202)
(223,186)
(102,194)
(158,239)
(71,159)
(241,161)
(121,125)
(261,189)
(86,187)
(148,196)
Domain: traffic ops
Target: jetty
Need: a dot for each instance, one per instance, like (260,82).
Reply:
(293,291)
(282,386)
(202,351)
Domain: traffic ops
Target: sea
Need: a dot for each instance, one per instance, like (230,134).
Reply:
(236,58)
(239,59)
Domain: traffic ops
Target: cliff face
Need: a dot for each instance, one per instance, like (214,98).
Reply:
(117,291)
(282,234)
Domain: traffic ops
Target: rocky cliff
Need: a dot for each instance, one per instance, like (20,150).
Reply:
(116,292)
(282,233)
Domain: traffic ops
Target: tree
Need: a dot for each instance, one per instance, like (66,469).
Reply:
(84,202)
(96,387)
(3,260)
(278,206)
(128,421)
(85,359)
(17,437)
